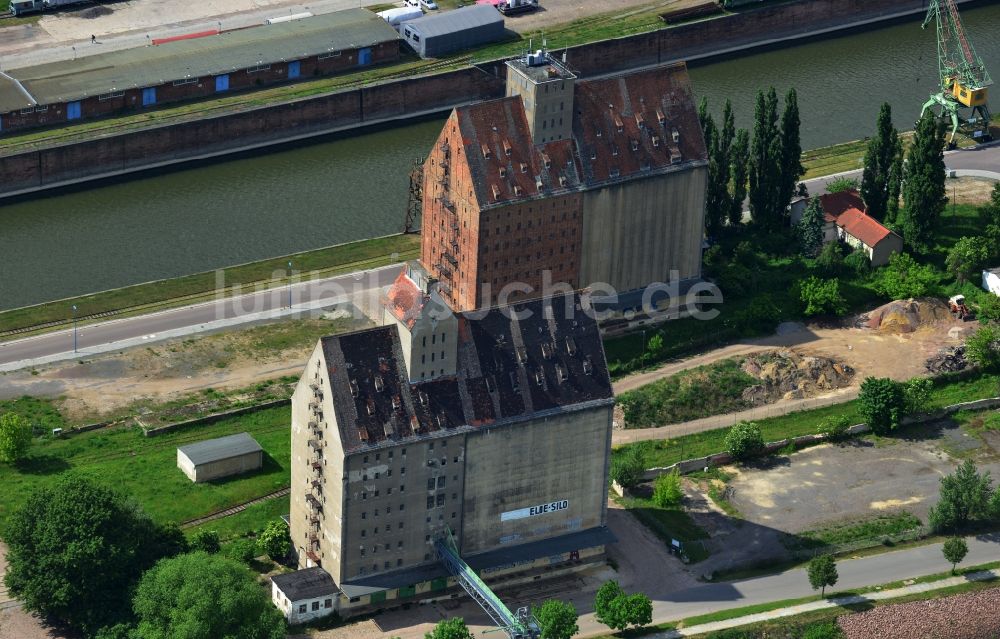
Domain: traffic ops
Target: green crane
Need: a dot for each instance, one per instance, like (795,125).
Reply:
(963,75)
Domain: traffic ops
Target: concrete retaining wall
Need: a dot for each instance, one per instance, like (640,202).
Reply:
(215,417)
(721,459)
(211,137)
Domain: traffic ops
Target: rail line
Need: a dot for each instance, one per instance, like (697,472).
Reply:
(235,509)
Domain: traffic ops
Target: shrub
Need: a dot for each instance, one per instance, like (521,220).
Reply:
(831,259)
(241,550)
(206,540)
(835,427)
(904,278)
(840,184)
(760,316)
(274,541)
(858,262)
(667,491)
(822,630)
(822,297)
(882,403)
(966,496)
(983,348)
(917,395)
(627,468)
(744,440)
(15,437)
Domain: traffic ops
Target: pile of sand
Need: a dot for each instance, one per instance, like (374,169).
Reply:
(787,374)
(906,316)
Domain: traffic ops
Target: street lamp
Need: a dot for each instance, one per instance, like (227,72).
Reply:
(74,328)
(289,283)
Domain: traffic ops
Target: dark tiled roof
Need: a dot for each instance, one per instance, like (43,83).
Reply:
(308,583)
(537,359)
(623,128)
(212,450)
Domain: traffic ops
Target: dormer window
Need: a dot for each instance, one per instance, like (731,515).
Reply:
(547,160)
(635,145)
(379,384)
(486,152)
(503,171)
(656,141)
(660,117)
(524,167)
(506,148)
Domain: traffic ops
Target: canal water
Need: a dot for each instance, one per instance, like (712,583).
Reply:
(355,186)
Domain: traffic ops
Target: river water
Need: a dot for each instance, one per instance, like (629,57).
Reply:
(355,186)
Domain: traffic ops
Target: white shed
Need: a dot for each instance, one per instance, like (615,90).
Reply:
(304,595)
(991,280)
(222,457)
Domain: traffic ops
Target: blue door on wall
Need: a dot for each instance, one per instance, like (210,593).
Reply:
(364,56)
(73,111)
(149,96)
(293,69)
(222,82)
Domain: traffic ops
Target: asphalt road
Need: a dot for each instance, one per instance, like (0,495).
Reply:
(233,311)
(982,158)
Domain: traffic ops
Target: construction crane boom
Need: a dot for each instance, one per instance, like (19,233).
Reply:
(962,74)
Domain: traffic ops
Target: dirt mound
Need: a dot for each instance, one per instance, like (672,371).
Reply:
(787,374)
(905,316)
(968,616)
(951,358)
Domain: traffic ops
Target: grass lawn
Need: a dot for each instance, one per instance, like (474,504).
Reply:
(873,529)
(146,468)
(699,392)
(254,518)
(41,413)
(326,262)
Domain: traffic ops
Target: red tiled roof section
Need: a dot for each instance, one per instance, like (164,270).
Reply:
(847,210)
(405,300)
(637,123)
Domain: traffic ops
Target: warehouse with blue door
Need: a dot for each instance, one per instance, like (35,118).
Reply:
(134,79)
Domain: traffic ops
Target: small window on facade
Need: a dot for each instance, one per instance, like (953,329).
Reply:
(440,500)
(399,562)
(302,609)
(364,515)
(315,605)
(430,503)
(328,603)
(440,482)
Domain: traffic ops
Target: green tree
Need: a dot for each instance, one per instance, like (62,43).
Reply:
(117,631)
(810,228)
(557,619)
(882,403)
(917,395)
(739,169)
(717,183)
(903,278)
(841,184)
(15,437)
(831,259)
(628,467)
(667,491)
(765,163)
(857,261)
(966,257)
(453,628)
(954,551)
(638,609)
(880,157)
(655,345)
(982,348)
(790,156)
(604,610)
(989,309)
(923,188)
(207,541)
(965,498)
(990,216)
(822,297)
(822,573)
(895,186)
(77,550)
(274,541)
(703,116)
(744,440)
(201,595)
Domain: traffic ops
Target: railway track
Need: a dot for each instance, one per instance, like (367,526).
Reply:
(235,509)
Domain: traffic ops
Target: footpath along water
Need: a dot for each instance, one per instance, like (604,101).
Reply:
(355,186)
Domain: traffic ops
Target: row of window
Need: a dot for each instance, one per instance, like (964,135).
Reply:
(315,606)
(486,230)
(423,357)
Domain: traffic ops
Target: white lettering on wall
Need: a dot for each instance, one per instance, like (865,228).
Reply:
(534,511)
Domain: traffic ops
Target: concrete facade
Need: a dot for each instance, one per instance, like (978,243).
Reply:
(384,466)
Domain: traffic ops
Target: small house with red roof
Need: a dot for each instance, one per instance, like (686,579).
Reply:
(845,215)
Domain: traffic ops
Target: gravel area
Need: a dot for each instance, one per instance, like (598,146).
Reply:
(969,616)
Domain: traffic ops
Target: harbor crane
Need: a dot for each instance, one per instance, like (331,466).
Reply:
(964,78)
(519,625)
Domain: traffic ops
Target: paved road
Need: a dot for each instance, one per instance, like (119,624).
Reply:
(985,159)
(254,307)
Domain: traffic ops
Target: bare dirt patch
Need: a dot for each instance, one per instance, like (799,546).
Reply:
(135,379)
(969,616)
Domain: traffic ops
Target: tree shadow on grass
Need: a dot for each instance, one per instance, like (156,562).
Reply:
(42,465)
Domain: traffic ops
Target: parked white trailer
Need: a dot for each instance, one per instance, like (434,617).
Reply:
(991,280)
(396,17)
(53,4)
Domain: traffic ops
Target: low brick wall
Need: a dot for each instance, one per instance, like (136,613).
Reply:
(215,417)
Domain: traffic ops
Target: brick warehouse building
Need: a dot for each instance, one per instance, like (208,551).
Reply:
(593,180)
(388,457)
(135,79)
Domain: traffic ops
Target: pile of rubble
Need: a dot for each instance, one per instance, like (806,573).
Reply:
(951,358)
(905,316)
(786,374)
(968,616)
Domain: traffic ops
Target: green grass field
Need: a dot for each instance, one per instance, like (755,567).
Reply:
(146,468)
